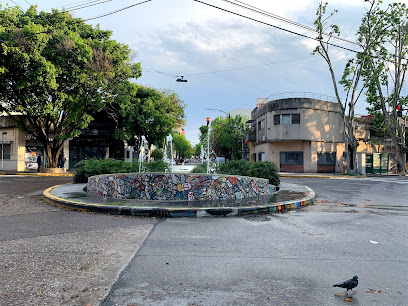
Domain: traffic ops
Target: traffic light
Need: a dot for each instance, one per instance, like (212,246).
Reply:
(208,121)
(246,144)
(399,110)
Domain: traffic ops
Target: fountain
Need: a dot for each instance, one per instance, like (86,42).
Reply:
(169,139)
(142,152)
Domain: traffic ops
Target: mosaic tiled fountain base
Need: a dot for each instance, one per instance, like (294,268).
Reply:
(178,187)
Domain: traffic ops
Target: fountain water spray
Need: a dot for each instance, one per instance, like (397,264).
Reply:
(170,139)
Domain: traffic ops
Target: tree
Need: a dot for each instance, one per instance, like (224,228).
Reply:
(145,111)
(384,75)
(182,146)
(352,75)
(55,71)
(227,136)
(157,154)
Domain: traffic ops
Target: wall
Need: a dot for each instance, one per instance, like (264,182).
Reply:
(165,186)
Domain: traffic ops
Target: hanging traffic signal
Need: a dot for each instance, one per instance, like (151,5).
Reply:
(208,121)
(399,110)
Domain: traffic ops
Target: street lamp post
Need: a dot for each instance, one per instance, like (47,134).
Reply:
(2,147)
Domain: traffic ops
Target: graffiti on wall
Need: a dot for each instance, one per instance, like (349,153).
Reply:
(175,187)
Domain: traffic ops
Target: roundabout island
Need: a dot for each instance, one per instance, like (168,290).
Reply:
(179,195)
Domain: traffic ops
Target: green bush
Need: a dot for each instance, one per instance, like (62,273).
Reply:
(235,167)
(200,169)
(157,154)
(265,169)
(91,167)
(156,166)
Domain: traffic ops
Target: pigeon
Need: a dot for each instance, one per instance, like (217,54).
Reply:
(348,284)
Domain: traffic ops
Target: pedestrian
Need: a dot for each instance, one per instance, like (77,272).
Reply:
(39,162)
(63,160)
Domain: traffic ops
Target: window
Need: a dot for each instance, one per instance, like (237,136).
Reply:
(261,125)
(291,158)
(326,158)
(261,156)
(286,119)
(6,151)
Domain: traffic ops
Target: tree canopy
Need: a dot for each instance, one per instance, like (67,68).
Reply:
(227,136)
(182,146)
(145,111)
(55,71)
(384,76)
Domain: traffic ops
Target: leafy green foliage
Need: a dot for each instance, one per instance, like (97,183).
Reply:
(265,169)
(227,136)
(91,167)
(236,167)
(155,166)
(200,169)
(182,146)
(144,111)
(157,154)
(55,71)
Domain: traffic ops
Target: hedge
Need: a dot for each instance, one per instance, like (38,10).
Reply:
(91,167)
(265,169)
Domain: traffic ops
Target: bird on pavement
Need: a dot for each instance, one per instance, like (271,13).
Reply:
(348,284)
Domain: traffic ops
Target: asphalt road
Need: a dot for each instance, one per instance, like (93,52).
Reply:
(285,259)
(53,256)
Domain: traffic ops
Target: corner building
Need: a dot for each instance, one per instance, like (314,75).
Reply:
(298,135)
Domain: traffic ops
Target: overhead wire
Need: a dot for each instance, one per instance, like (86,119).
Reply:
(285,20)
(117,11)
(234,69)
(274,26)
(89,4)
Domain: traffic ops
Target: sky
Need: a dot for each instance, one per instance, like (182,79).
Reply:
(228,60)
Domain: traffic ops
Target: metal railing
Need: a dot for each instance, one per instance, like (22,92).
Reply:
(300,94)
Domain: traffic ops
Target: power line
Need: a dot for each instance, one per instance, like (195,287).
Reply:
(254,66)
(89,4)
(291,22)
(277,27)
(117,11)
(232,69)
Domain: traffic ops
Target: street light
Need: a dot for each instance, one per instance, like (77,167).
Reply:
(2,147)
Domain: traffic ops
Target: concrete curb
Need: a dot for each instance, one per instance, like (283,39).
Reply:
(37,174)
(172,212)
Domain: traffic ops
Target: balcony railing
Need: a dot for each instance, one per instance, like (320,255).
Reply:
(300,94)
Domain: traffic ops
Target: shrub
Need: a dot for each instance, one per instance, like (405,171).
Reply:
(235,167)
(200,169)
(156,166)
(265,169)
(91,167)
(157,154)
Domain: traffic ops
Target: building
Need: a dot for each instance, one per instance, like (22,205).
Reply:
(298,135)
(305,134)
(20,149)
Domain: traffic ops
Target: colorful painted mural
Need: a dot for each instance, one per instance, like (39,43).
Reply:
(187,187)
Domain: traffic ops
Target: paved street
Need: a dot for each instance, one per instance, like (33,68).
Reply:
(53,256)
(357,227)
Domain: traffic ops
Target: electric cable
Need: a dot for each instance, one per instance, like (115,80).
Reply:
(274,26)
(291,22)
(116,11)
